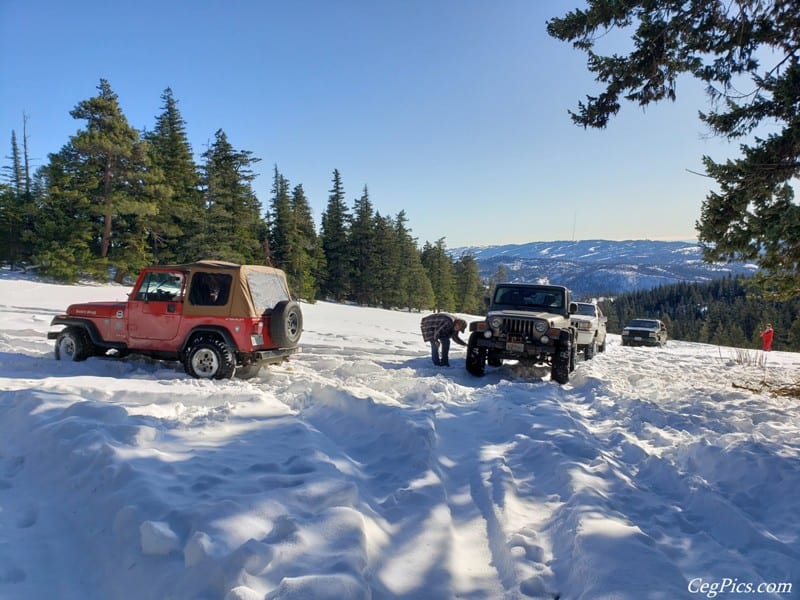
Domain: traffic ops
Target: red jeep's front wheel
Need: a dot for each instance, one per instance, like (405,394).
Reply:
(71,344)
(210,359)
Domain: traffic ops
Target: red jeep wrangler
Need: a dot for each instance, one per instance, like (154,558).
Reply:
(217,318)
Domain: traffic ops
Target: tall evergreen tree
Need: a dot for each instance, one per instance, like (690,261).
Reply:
(106,164)
(385,263)
(792,335)
(307,260)
(174,230)
(282,231)
(26,158)
(440,272)
(406,251)
(335,243)
(365,254)
(8,227)
(234,228)
(469,289)
(113,152)
(420,289)
(14,203)
(15,172)
(413,286)
(64,230)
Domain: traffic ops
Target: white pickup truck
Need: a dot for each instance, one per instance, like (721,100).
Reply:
(590,323)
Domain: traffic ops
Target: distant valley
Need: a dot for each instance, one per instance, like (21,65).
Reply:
(602,267)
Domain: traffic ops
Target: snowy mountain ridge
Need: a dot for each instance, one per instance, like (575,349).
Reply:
(595,267)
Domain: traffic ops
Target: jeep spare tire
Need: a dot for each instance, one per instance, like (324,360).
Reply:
(286,324)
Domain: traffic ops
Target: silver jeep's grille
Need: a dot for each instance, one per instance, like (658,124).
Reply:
(519,327)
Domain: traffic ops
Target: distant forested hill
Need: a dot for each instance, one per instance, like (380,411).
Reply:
(727,311)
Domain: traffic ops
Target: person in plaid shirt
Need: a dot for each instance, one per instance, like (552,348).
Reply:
(439,329)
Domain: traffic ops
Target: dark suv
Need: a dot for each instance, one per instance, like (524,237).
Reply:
(217,318)
(644,332)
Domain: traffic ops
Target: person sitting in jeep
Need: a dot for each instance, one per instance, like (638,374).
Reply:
(210,289)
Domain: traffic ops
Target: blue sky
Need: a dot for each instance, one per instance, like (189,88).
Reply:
(453,110)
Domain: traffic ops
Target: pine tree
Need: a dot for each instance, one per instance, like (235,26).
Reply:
(8,226)
(174,230)
(792,334)
(26,159)
(385,263)
(282,230)
(64,230)
(107,165)
(113,154)
(14,202)
(335,244)
(234,230)
(412,284)
(308,260)
(16,171)
(440,272)
(469,289)
(420,289)
(365,254)
(293,244)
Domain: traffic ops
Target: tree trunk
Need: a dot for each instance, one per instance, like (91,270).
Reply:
(105,241)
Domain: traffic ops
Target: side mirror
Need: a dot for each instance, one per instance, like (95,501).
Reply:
(573,307)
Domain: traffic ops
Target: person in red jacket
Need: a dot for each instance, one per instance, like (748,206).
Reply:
(766,337)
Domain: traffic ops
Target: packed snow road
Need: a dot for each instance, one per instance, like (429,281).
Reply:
(359,470)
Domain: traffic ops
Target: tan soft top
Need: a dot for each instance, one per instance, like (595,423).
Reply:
(241,299)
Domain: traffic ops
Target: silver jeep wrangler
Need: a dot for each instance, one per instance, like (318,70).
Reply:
(526,322)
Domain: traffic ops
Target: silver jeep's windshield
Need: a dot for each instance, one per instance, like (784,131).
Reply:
(521,297)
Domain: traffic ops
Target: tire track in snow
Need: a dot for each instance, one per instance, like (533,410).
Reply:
(420,463)
(437,426)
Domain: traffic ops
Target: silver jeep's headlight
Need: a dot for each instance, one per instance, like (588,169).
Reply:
(540,326)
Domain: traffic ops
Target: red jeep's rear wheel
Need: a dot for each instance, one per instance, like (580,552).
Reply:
(210,359)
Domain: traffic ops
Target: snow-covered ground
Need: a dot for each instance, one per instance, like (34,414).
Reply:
(360,470)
